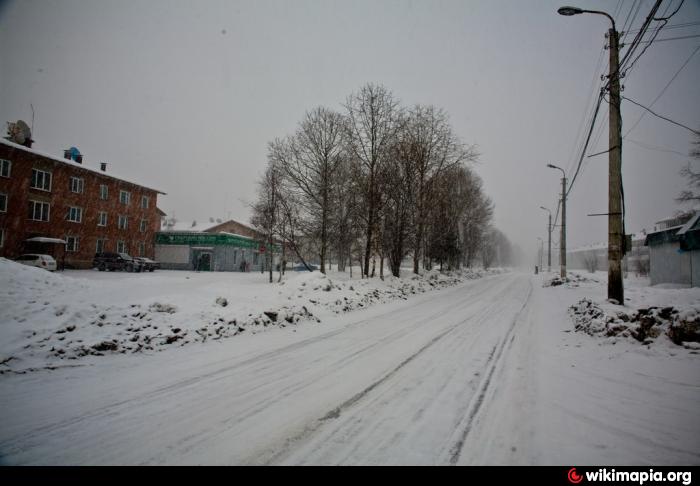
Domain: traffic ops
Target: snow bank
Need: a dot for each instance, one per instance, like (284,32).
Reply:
(51,320)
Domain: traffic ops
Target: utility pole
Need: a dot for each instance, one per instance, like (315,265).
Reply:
(562,244)
(549,239)
(615,233)
(549,244)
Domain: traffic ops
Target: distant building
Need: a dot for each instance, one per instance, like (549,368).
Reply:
(595,257)
(219,247)
(61,207)
(675,251)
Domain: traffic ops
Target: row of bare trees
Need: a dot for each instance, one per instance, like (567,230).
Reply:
(375,182)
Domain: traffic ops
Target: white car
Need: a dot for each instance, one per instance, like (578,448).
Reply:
(41,261)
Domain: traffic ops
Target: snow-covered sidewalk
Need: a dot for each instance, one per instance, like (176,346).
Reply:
(65,319)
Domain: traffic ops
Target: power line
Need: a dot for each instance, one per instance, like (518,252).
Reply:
(660,116)
(672,38)
(585,147)
(673,26)
(673,78)
(654,148)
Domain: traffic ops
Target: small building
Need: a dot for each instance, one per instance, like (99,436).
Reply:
(59,206)
(674,251)
(209,248)
(595,257)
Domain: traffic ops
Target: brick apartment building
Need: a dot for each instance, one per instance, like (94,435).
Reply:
(44,199)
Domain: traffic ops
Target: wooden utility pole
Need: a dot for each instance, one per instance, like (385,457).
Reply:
(615,233)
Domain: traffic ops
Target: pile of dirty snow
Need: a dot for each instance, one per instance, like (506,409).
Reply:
(645,324)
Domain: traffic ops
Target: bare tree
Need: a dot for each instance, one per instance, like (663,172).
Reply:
(590,261)
(266,209)
(372,124)
(310,161)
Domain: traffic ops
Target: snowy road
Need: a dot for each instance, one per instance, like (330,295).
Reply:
(449,377)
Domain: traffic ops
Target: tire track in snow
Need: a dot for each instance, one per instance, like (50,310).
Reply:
(496,357)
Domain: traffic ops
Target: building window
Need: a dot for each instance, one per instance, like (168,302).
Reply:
(104,192)
(100,247)
(41,180)
(38,211)
(102,218)
(142,249)
(235,256)
(75,215)
(124,197)
(144,202)
(123,221)
(2,237)
(3,202)
(5,166)
(72,244)
(144,225)
(77,184)
(121,247)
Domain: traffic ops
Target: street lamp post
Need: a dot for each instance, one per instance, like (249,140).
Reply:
(541,250)
(615,232)
(549,240)
(562,242)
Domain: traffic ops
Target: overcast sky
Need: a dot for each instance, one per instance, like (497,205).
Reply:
(184,95)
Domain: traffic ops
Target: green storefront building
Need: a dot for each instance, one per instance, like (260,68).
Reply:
(212,252)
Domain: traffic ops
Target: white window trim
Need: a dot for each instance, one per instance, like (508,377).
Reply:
(125,219)
(9,167)
(146,200)
(43,172)
(76,247)
(143,226)
(127,199)
(99,218)
(80,182)
(79,212)
(106,192)
(123,246)
(4,210)
(48,212)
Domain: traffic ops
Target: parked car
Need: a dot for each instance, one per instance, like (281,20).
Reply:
(147,264)
(36,260)
(115,261)
(302,268)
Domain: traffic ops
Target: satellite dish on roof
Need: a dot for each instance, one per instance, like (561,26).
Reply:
(74,152)
(19,132)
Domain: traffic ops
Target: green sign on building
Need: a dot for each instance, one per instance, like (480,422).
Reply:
(210,239)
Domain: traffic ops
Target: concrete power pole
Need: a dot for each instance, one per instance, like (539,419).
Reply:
(549,244)
(615,236)
(562,243)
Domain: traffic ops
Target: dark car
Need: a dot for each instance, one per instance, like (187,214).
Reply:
(302,268)
(115,261)
(147,264)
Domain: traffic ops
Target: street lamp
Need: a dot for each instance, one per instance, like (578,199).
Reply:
(562,243)
(549,240)
(541,250)
(615,221)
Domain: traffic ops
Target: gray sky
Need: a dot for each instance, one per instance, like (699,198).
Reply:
(185,95)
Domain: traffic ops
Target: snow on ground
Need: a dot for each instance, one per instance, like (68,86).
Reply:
(51,320)
(488,371)
(660,315)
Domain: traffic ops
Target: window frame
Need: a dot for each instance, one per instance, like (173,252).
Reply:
(4,196)
(76,244)
(79,182)
(34,204)
(44,173)
(104,192)
(126,200)
(125,219)
(78,212)
(5,163)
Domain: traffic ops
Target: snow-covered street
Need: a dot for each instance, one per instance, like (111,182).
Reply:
(485,372)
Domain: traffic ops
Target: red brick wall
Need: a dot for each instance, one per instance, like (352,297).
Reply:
(18,227)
